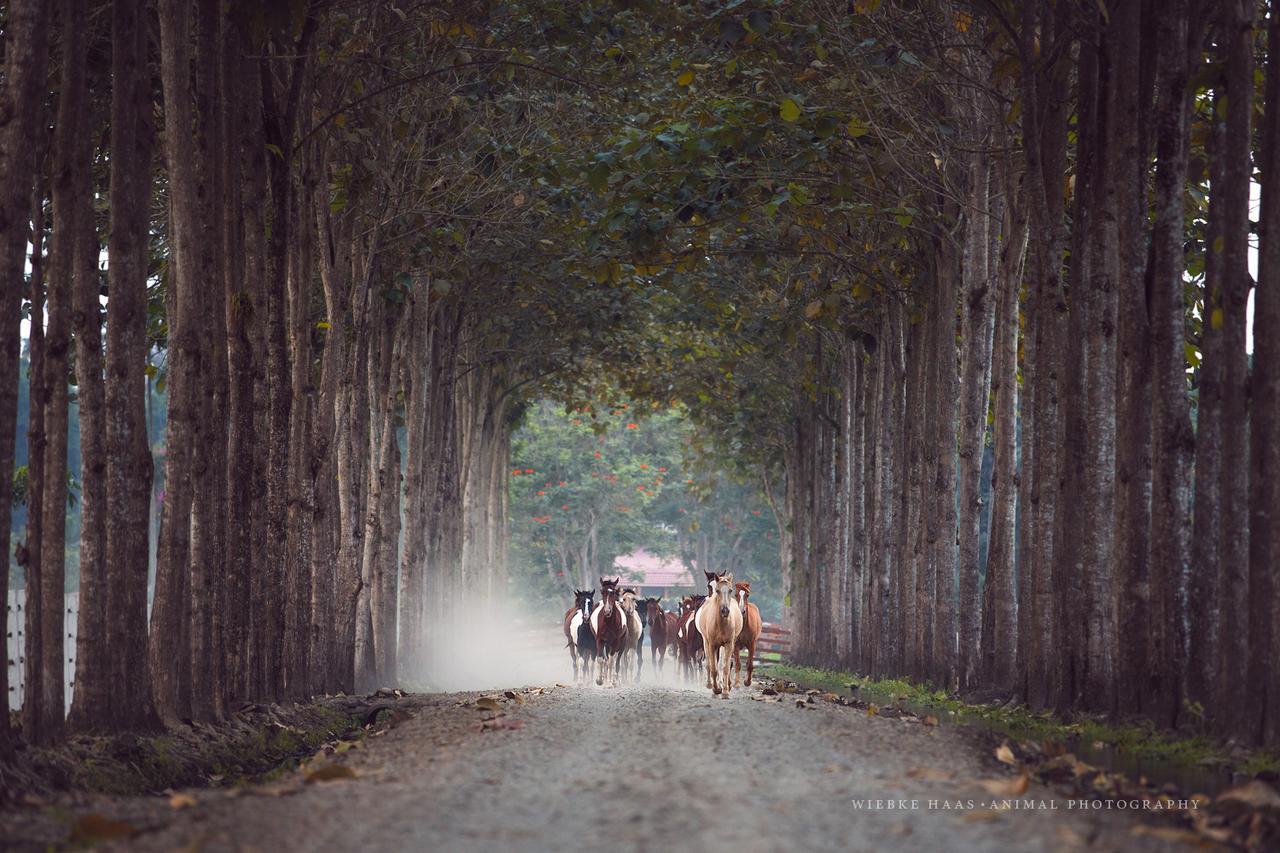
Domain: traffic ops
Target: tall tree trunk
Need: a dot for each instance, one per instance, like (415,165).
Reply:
(1132,106)
(943,432)
(28,552)
(1237,45)
(90,700)
(129,465)
(1263,694)
(1000,606)
(25,55)
(72,206)
(1172,438)
(978,317)
(170,649)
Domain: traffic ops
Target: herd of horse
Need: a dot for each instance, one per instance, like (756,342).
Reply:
(607,636)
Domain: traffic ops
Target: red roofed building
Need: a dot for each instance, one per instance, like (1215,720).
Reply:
(651,575)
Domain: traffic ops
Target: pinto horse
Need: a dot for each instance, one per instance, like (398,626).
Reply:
(719,620)
(750,633)
(662,631)
(688,639)
(609,627)
(577,631)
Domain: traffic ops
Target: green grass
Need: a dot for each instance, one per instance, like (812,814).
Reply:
(1142,741)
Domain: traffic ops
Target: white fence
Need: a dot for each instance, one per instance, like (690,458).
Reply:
(15,643)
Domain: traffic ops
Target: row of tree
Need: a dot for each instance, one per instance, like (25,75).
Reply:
(1083,291)
(854,242)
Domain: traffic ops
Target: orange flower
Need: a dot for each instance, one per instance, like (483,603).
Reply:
(528,470)
(644,467)
(565,507)
(540,494)
(632,426)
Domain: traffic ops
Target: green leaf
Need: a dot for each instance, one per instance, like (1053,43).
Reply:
(789,110)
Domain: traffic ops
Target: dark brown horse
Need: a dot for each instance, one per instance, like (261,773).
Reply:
(662,631)
(609,625)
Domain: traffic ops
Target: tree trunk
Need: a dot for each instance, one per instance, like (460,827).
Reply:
(978,317)
(90,700)
(26,54)
(72,215)
(1237,45)
(1263,695)
(129,464)
(1000,606)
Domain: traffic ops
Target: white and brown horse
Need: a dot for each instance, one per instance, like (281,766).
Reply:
(609,627)
(719,620)
(577,631)
(750,633)
(688,640)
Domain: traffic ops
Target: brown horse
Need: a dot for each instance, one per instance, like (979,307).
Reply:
(609,625)
(750,633)
(719,620)
(688,640)
(662,631)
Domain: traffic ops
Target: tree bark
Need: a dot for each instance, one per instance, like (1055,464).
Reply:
(26,55)
(1172,438)
(1237,45)
(1263,695)
(129,465)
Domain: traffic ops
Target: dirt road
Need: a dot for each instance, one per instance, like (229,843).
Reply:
(639,768)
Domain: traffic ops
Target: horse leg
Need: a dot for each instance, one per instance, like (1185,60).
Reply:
(709,652)
(730,652)
(737,667)
(751,660)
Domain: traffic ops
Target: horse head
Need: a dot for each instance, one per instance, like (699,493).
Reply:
(652,609)
(743,590)
(583,599)
(723,592)
(711,579)
(608,595)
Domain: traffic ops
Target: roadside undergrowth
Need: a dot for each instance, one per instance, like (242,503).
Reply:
(1021,723)
(252,745)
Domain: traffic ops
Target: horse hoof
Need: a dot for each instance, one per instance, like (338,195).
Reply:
(715,690)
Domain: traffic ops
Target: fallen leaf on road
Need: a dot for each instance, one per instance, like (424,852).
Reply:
(181,801)
(511,694)
(769,691)
(800,703)
(1254,794)
(980,815)
(1070,839)
(330,773)
(558,684)
(931,774)
(488,703)
(345,746)
(1005,755)
(1015,787)
(872,710)
(930,720)
(1167,833)
(96,828)
(497,724)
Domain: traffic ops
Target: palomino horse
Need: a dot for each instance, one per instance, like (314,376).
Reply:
(750,633)
(635,635)
(662,631)
(719,620)
(688,639)
(609,627)
(577,630)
